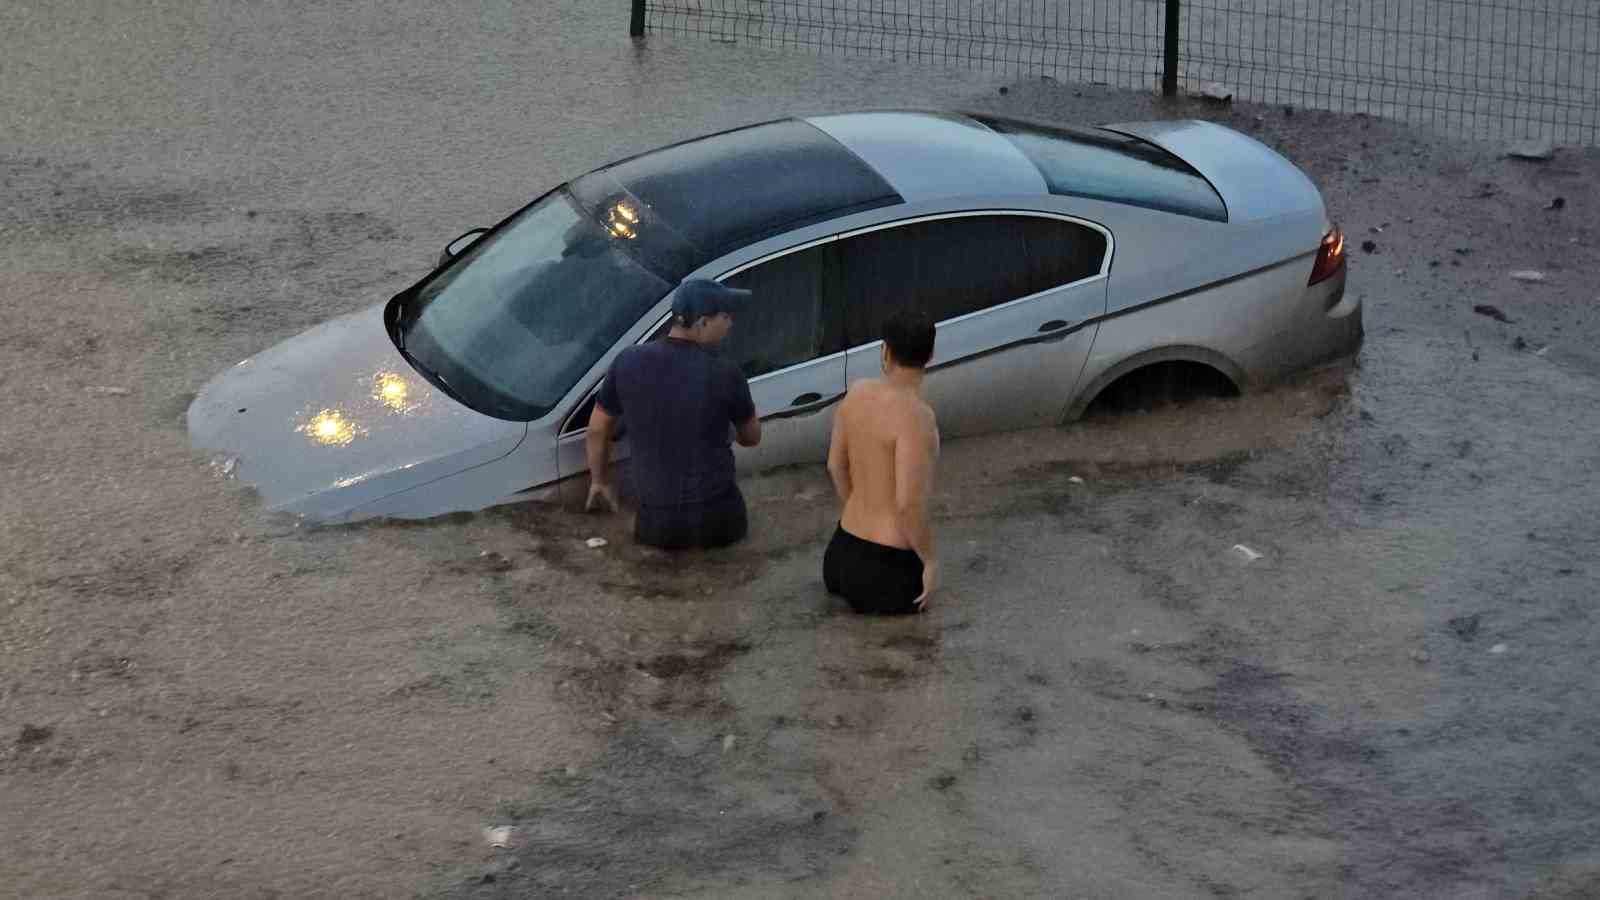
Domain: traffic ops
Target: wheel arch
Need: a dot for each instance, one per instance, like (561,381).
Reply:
(1176,353)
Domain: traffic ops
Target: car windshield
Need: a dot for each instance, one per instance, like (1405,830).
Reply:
(511,327)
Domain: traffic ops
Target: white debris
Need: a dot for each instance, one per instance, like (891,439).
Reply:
(1530,275)
(1498,649)
(1075,480)
(727,742)
(1216,90)
(501,836)
(595,543)
(1542,350)
(1249,554)
(1534,148)
(107,391)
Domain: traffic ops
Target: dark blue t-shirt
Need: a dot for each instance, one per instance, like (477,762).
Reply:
(679,400)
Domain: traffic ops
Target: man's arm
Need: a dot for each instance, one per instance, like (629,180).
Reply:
(915,453)
(746,425)
(839,455)
(748,433)
(598,449)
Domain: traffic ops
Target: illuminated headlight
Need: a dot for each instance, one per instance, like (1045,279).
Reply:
(331,428)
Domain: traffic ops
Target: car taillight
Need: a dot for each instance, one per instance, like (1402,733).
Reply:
(1330,256)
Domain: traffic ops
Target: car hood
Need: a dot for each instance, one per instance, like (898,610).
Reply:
(336,417)
(1255,181)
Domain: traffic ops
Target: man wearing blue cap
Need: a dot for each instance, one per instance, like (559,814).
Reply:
(680,399)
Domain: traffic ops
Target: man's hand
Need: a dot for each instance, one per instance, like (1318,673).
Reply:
(930,584)
(601,492)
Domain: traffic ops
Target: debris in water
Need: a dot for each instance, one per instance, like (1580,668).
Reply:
(1537,149)
(1542,350)
(1466,627)
(107,391)
(1557,203)
(1493,312)
(502,836)
(1533,276)
(1075,480)
(1498,649)
(34,734)
(1369,246)
(1216,91)
(1420,657)
(728,741)
(595,543)
(1249,554)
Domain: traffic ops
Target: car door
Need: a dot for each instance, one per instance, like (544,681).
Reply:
(788,342)
(1016,297)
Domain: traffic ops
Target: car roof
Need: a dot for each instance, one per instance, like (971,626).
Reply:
(714,194)
(705,197)
(931,156)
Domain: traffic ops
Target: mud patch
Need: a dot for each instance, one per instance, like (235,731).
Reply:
(701,666)
(658,813)
(129,576)
(183,266)
(1220,470)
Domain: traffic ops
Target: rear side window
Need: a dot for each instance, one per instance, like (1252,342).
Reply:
(947,268)
(1104,165)
(785,322)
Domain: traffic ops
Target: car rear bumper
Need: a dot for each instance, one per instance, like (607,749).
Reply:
(1326,325)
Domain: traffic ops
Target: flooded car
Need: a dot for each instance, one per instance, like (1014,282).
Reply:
(1058,261)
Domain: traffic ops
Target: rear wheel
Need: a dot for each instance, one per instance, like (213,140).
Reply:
(1161,385)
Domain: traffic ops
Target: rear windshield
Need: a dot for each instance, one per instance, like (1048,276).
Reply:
(513,325)
(1104,165)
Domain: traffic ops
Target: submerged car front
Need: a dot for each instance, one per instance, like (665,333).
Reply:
(442,379)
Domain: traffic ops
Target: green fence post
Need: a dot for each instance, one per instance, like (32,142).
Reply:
(1169,62)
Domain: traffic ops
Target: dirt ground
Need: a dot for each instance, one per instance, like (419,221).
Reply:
(198,700)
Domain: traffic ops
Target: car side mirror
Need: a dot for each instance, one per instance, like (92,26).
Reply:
(460,244)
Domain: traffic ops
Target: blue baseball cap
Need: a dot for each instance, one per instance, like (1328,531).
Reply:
(698,297)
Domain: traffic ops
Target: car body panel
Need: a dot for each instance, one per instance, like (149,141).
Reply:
(1255,329)
(265,413)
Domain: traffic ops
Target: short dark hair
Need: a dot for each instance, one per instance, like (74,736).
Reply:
(909,337)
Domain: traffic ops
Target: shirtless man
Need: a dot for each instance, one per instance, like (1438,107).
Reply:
(885,445)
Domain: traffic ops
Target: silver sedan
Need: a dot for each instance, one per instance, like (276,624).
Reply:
(1059,262)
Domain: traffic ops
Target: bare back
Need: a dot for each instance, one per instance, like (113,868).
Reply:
(885,441)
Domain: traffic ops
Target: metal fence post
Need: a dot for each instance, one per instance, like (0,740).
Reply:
(1169,62)
(636,26)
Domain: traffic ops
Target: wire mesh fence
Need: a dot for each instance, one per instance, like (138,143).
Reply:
(1479,68)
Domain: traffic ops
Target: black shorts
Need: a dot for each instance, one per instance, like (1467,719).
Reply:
(714,523)
(876,580)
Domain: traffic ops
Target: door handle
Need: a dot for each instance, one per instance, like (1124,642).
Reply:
(1052,325)
(804,405)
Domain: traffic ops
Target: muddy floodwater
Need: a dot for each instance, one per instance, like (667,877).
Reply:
(1389,695)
